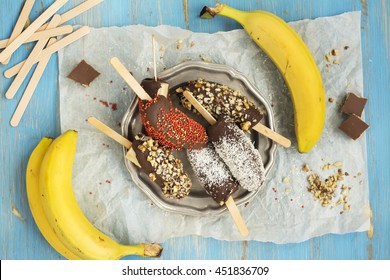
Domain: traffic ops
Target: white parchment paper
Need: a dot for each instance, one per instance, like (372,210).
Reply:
(284,211)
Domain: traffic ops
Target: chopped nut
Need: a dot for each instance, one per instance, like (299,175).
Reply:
(286,180)
(327,57)
(338,163)
(330,99)
(245,125)
(306,168)
(334,52)
(152,177)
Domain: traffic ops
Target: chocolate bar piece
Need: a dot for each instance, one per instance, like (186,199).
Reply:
(354,104)
(83,73)
(353,126)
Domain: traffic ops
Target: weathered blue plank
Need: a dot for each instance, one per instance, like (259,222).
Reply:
(22,240)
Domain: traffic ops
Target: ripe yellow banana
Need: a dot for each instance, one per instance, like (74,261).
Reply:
(34,200)
(64,214)
(295,62)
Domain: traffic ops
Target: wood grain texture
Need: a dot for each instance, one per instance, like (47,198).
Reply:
(22,240)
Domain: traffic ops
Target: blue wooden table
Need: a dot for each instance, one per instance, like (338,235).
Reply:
(20,238)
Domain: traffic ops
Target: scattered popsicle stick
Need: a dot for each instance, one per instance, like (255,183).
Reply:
(28,93)
(237,218)
(11,48)
(115,136)
(20,23)
(262,129)
(230,204)
(47,33)
(47,52)
(129,79)
(78,10)
(42,32)
(154,58)
(17,82)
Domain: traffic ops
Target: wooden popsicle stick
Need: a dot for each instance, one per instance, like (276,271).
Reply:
(20,23)
(78,10)
(262,129)
(28,93)
(237,218)
(230,204)
(39,35)
(115,136)
(129,79)
(11,48)
(17,82)
(269,133)
(47,52)
(154,58)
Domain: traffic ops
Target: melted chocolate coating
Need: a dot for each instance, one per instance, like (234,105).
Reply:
(151,86)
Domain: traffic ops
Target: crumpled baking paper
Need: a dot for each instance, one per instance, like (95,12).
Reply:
(284,211)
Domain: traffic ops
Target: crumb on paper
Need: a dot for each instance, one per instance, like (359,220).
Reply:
(286,180)
(17,214)
(330,99)
(204,58)
(326,190)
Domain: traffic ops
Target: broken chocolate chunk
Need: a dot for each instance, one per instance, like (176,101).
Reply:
(354,104)
(353,126)
(83,73)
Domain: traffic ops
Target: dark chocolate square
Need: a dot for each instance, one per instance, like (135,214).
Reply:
(354,104)
(83,73)
(353,126)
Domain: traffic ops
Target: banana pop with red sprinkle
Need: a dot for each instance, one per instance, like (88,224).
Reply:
(167,124)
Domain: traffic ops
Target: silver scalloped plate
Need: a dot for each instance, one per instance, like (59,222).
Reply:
(198,203)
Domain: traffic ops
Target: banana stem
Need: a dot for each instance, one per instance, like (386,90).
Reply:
(144,250)
(224,10)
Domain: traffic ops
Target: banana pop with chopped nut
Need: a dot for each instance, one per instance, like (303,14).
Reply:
(219,100)
(162,167)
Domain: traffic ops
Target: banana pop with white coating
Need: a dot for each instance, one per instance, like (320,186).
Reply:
(212,173)
(238,153)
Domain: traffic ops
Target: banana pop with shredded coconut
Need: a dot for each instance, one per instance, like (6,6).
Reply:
(238,153)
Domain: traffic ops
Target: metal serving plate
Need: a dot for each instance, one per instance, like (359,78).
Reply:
(198,203)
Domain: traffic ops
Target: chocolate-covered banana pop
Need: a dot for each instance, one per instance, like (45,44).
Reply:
(219,100)
(162,121)
(162,167)
(157,162)
(238,153)
(212,173)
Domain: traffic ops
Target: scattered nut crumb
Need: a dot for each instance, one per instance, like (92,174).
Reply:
(178,47)
(330,99)
(286,180)
(335,61)
(338,163)
(327,57)
(334,52)
(306,168)
(326,167)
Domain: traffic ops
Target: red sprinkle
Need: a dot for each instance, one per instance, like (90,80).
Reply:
(173,129)
(108,181)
